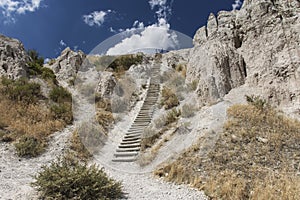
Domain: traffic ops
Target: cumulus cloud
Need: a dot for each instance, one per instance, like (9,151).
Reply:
(96,18)
(156,36)
(12,7)
(146,37)
(162,6)
(237,4)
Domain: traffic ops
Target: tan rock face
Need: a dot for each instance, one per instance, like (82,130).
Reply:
(68,64)
(258,46)
(13,58)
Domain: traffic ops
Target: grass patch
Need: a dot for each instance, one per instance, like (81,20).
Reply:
(256,157)
(69,179)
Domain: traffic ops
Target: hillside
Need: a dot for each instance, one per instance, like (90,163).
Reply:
(219,120)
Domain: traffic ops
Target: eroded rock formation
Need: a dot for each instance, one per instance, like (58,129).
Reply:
(13,58)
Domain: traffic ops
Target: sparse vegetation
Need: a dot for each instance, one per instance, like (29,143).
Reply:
(193,85)
(78,147)
(256,157)
(29,117)
(167,119)
(150,136)
(21,90)
(69,179)
(169,98)
(62,107)
(104,118)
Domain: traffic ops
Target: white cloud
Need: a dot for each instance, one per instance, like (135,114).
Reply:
(237,4)
(95,18)
(12,7)
(156,36)
(163,9)
(62,43)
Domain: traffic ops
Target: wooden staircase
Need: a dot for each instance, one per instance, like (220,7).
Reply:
(129,148)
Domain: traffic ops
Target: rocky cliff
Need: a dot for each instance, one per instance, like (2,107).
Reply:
(257,46)
(13,58)
(67,64)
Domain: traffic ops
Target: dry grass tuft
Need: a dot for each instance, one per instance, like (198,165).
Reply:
(169,98)
(256,157)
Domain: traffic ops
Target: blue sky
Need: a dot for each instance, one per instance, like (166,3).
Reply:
(50,25)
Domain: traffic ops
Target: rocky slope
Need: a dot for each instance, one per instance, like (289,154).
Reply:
(257,46)
(13,58)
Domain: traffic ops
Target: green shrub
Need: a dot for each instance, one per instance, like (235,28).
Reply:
(68,179)
(62,111)
(21,90)
(29,146)
(169,98)
(60,95)
(36,67)
(123,63)
(256,101)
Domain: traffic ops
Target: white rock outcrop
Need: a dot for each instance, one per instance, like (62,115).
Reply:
(258,46)
(13,58)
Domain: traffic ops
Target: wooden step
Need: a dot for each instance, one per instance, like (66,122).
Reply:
(132,136)
(129,159)
(126,154)
(131,142)
(128,150)
(125,146)
(131,139)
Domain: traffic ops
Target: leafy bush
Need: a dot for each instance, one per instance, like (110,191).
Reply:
(69,179)
(21,90)
(60,95)
(169,98)
(29,146)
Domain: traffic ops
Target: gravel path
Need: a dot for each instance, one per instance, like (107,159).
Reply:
(16,173)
